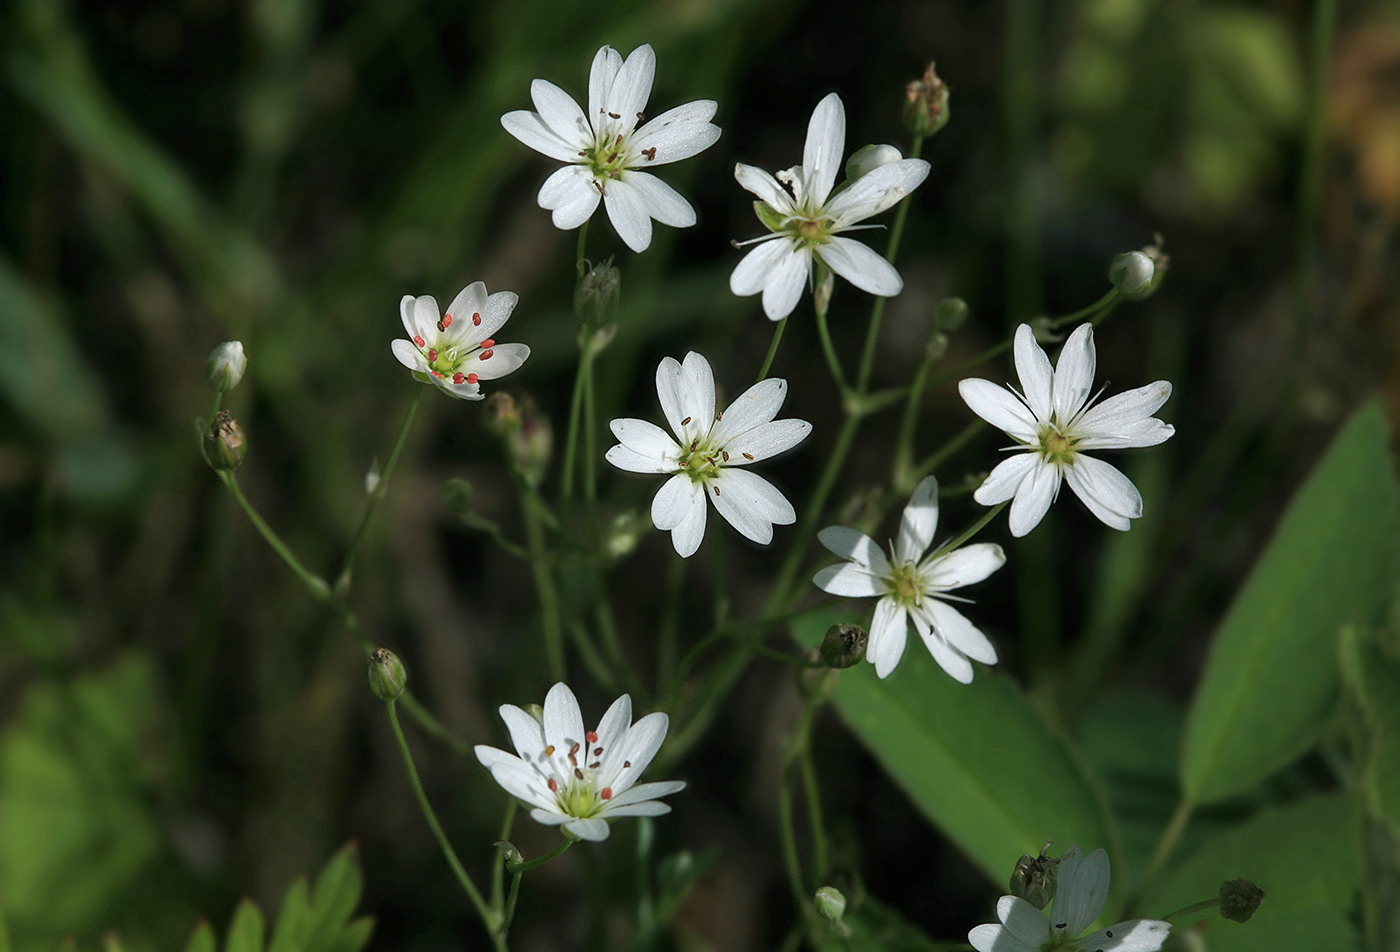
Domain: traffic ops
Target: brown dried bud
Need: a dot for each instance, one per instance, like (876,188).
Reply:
(1238,899)
(843,646)
(926,105)
(1034,879)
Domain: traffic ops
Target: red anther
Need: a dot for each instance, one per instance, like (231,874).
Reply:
(432,354)
(487,344)
(459,377)
(591,737)
(485,354)
(607,793)
(471,378)
(420,341)
(476,320)
(436,374)
(446,321)
(553,785)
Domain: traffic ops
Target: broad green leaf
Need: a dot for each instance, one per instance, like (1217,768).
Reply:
(1302,856)
(1271,680)
(353,937)
(202,940)
(4,931)
(977,760)
(245,932)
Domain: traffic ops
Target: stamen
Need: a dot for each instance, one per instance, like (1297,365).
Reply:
(485,354)
(487,344)
(716,489)
(725,454)
(441,326)
(597,752)
(420,341)
(578,774)
(650,154)
(476,319)
(583,155)
(749,457)
(627,763)
(613,157)
(446,321)
(432,354)
(719,416)
(436,374)
(472,378)
(607,793)
(614,115)
(591,737)
(619,139)
(595,765)
(549,751)
(459,377)
(686,421)
(694,445)
(553,785)
(639,117)
(572,751)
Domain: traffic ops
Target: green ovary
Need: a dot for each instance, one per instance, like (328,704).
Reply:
(1055,445)
(906,586)
(580,800)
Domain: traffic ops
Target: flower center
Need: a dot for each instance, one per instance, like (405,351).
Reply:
(449,360)
(611,151)
(577,794)
(1056,446)
(905,584)
(702,460)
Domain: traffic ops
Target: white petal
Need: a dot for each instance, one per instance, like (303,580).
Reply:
(638,748)
(964,566)
(643,808)
(857,547)
(491,756)
(1081,896)
(999,407)
(1024,921)
(919,522)
(765,187)
(1074,373)
(951,661)
(889,630)
(1125,420)
(1134,935)
(592,829)
(570,196)
(679,507)
(563,722)
(687,394)
(532,130)
(648,440)
(406,315)
(1033,367)
(606,62)
(859,265)
(990,938)
(561,114)
(494,311)
(850,581)
(952,627)
(612,729)
(786,281)
(502,359)
(764,441)
(876,191)
(755,406)
(759,267)
(1107,492)
(1033,497)
(751,504)
(633,462)
(525,732)
(677,133)
(409,355)
(425,316)
(550,816)
(1003,481)
(627,211)
(470,300)
(525,783)
(645,791)
(821,155)
(632,87)
(660,200)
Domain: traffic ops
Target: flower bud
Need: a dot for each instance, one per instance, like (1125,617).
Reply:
(509,853)
(831,903)
(226,365)
(1238,899)
(537,712)
(1033,879)
(1131,274)
(372,476)
(625,532)
(868,158)
(502,414)
(950,314)
(821,294)
(926,104)
(1044,329)
(532,443)
(937,346)
(457,495)
(224,444)
(598,295)
(386,674)
(843,646)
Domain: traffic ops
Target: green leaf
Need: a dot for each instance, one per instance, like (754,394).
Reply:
(294,919)
(202,940)
(245,932)
(876,927)
(1271,681)
(977,760)
(333,901)
(1303,857)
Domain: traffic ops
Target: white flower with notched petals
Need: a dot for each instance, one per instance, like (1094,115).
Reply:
(709,452)
(455,352)
(1053,421)
(1082,889)
(806,222)
(606,150)
(912,587)
(575,778)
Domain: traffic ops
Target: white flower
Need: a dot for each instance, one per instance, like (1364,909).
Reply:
(456,352)
(709,452)
(605,148)
(809,220)
(1079,898)
(1054,420)
(226,366)
(912,587)
(575,778)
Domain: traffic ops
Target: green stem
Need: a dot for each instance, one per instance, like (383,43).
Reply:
(612,644)
(579,259)
(432,726)
(904,448)
(590,451)
(833,362)
(526,865)
(447,851)
(1195,907)
(550,619)
(976,527)
(812,792)
(1170,836)
(772,349)
(668,641)
(939,456)
(314,583)
(592,660)
(498,869)
(575,411)
(342,582)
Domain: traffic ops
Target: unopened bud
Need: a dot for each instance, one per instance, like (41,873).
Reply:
(843,646)
(537,712)
(937,346)
(372,477)
(1034,878)
(821,295)
(502,414)
(1238,899)
(1131,274)
(509,853)
(457,495)
(224,444)
(532,443)
(868,158)
(598,295)
(226,365)
(926,104)
(625,532)
(386,674)
(950,314)
(831,903)
(1044,330)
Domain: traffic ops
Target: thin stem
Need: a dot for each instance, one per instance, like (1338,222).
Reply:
(550,619)
(527,865)
(590,448)
(789,843)
(939,456)
(566,488)
(772,349)
(432,726)
(579,260)
(721,590)
(670,632)
(976,527)
(904,448)
(833,362)
(314,583)
(498,869)
(813,798)
(447,851)
(342,582)
(1162,853)
(592,660)
(1195,907)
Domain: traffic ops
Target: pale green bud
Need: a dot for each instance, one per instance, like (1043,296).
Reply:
(386,674)
(509,853)
(372,477)
(598,295)
(532,443)
(625,532)
(831,903)
(1132,274)
(224,444)
(502,414)
(226,365)
(926,104)
(457,495)
(821,295)
(868,158)
(843,646)
(951,314)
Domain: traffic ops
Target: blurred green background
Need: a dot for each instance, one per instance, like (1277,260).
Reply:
(180,726)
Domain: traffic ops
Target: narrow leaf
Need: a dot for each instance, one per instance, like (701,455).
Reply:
(334,899)
(293,920)
(202,940)
(245,932)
